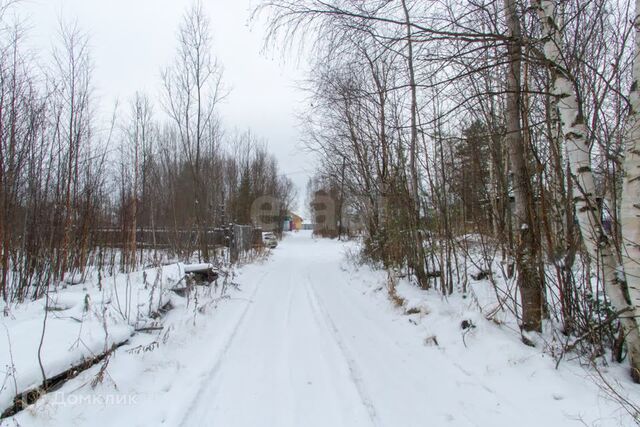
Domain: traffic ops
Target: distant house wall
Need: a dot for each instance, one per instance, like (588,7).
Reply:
(296,223)
(292,222)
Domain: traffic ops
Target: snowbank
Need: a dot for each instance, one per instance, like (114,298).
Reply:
(77,323)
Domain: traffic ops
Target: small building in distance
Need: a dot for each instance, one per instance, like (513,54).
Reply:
(292,222)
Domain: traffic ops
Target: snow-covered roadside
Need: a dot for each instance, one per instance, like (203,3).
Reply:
(82,321)
(85,320)
(492,353)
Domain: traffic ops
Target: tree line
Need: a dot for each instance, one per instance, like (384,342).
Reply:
(66,178)
(509,127)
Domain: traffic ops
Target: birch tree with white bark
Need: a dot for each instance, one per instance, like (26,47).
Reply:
(630,203)
(578,146)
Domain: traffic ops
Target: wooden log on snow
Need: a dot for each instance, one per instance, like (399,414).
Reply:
(206,272)
(29,397)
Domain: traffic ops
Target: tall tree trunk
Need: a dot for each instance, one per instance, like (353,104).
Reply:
(529,277)
(417,255)
(630,206)
(596,241)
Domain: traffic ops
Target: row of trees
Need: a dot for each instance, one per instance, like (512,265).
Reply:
(513,120)
(74,196)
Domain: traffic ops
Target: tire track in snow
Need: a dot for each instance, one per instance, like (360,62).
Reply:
(289,300)
(225,349)
(285,360)
(319,311)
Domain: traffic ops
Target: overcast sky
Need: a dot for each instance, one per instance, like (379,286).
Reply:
(132,39)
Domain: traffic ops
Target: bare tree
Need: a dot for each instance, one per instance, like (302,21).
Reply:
(193,88)
(73,65)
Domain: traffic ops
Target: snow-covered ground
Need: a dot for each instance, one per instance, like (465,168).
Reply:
(309,339)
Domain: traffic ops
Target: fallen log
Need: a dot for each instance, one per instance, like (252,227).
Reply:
(29,397)
(150,329)
(198,268)
(204,272)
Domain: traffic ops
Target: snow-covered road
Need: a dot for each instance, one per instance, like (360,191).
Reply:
(311,350)
(310,339)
